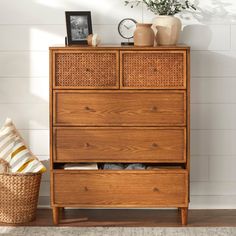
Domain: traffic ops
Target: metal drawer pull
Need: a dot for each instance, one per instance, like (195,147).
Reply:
(89,70)
(86,145)
(89,109)
(156,189)
(154,108)
(154,145)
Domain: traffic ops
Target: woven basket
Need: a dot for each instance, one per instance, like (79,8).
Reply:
(18,195)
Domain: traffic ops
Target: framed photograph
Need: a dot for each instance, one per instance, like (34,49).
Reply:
(79,26)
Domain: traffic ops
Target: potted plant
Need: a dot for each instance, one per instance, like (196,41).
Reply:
(166,26)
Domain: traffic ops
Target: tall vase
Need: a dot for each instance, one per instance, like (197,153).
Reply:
(167,29)
(144,35)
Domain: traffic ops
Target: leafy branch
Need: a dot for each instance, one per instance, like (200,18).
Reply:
(163,7)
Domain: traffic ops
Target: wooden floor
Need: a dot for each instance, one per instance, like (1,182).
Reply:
(137,218)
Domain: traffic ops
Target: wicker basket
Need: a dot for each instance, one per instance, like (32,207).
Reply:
(18,195)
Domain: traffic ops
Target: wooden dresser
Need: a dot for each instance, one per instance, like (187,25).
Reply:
(120,105)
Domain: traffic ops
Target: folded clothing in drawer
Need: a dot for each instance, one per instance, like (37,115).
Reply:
(119,166)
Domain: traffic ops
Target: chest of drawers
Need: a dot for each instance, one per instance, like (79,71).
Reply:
(120,105)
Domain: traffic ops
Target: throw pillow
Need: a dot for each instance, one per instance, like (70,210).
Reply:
(15,152)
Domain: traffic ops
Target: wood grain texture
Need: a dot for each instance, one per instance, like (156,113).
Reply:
(121,188)
(188,125)
(118,47)
(55,214)
(120,145)
(51,78)
(119,108)
(184,215)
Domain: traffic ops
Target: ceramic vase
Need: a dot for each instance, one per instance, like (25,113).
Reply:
(167,29)
(144,35)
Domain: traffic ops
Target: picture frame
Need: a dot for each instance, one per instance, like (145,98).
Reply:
(78,26)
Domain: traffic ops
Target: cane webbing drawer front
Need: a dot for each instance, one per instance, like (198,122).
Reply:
(155,145)
(89,70)
(153,69)
(119,108)
(121,188)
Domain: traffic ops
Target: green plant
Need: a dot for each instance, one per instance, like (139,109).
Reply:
(163,7)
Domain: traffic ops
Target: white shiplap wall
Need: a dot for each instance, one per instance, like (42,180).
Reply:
(29,27)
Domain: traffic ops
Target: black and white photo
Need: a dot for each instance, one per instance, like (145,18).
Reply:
(79,26)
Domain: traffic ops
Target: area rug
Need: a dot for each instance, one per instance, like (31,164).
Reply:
(117,231)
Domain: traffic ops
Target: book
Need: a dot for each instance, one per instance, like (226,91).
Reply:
(79,166)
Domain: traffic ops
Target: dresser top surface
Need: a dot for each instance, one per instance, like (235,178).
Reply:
(118,47)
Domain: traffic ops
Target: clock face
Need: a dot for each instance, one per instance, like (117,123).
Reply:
(127,27)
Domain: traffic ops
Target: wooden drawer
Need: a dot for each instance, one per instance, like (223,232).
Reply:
(119,108)
(119,145)
(153,69)
(86,69)
(147,188)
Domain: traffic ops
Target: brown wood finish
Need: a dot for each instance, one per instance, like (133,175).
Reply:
(51,75)
(147,188)
(184,215)
(119,108)
(63,48)
(154,145)
(188,118)
(100,105)
(55,211)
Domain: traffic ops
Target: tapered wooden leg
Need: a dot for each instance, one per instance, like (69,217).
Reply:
(55,213)
(184,215)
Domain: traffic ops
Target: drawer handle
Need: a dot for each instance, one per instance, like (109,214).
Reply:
(154,109)
(86,145)
(86,189)
(88,70)
(154,145)
(156,189)
(89,109)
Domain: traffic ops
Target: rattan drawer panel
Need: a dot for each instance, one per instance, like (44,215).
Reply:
(127,188)
(153,69)
(89,70)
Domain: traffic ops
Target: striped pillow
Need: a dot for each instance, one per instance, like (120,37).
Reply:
(14,151)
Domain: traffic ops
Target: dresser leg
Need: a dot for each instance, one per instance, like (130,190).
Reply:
(55,213)
(184,215)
